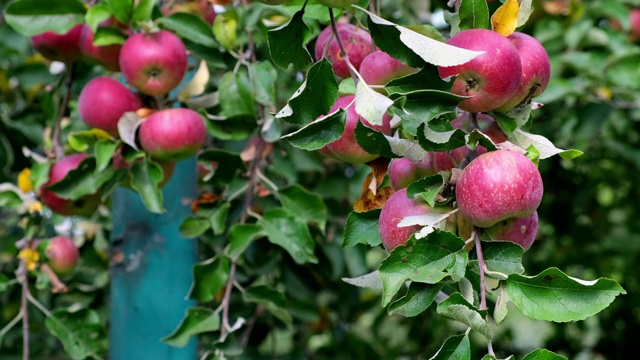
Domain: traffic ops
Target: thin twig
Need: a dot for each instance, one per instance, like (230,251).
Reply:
(345,56)
(58,148)
(22,273)
(225,302)
(483,291)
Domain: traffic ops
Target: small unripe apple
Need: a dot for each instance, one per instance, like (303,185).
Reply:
(63,255)
(356,41)
(491,78)
(172,134)
(521,231)
(59,47)
(106,56)
(496,186)
(84,206)
(346,148)
(103,100)
(536,70)
(378,68)
(154,63)
(337,3)
(403,171)
(399,206)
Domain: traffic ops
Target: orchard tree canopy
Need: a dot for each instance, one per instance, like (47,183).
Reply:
(211,179)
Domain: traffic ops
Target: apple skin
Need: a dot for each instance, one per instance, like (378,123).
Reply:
(521,231)
(536,70)
(378,68)
(496,186)
(106,56)
(59,47)
(63,255)
(491,78)
(398,206)
(357,42)
(486,124)
(154,63)
(346,148)
(403,171)
(337,3)
(103,100)
(84,206)
(172,134)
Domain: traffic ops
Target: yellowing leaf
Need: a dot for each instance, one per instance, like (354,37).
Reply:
(505,20)
(197,85)
(24,180)
(30,258)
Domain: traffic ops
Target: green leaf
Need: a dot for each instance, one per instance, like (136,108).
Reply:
(458,308)
(108,35)
(291,233)
(320,132)
(545,146)
(501,256)
(373,141)
(4,282)
(236,97)
(474,14)
(427,260)
(457,347)
(427,78)
(97,14)
(362,228)
(304,204)
(418,298)
(420,107)
(81,140)
(192,227)
(229,161)
(543,354)
(431,140)
(10,195)
(84,180)
(197,320)
(287,43)
(271,299)
(225,27)
(241,236)
(218,218)
(143,10)
(429,188)
(33,17)
(103,152)
(314,97)
(145,177)
(121,9)
(554,296)
(190,27)
(81,333)
(209,277)
(263,77)
(40,174)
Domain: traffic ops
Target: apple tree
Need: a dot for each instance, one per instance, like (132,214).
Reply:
(359,178)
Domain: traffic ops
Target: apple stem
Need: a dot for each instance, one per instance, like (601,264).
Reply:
(58,285)
(343,51)
(483,291)
(58,148)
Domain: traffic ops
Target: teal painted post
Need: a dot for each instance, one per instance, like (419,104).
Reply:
(149,288)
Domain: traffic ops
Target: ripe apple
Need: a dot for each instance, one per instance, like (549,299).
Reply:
(337,3)
(346,148)
(491,78)
(106,56)
(536,70)
(521,231)
(378,68)
(154,62)
(62,255)
(399,206)
(103,100)
(442,161)
(172,134)
(496,186)
(84,206)
(403,171)
(59,47)
(356,41)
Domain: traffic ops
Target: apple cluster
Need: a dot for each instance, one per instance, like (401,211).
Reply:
(153,63)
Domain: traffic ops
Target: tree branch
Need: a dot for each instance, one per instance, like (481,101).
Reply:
(58,148)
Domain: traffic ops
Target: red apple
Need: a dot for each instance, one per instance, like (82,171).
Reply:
(63,255)
(496,186)
(399,206)
(59,47)
(346,148)
(378,68)
(357,43)
(84,206)
(403,171)
(521,231)
(172,134)
(103,100)
(154,63)
(106,56)
(491,78)
(536,70)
